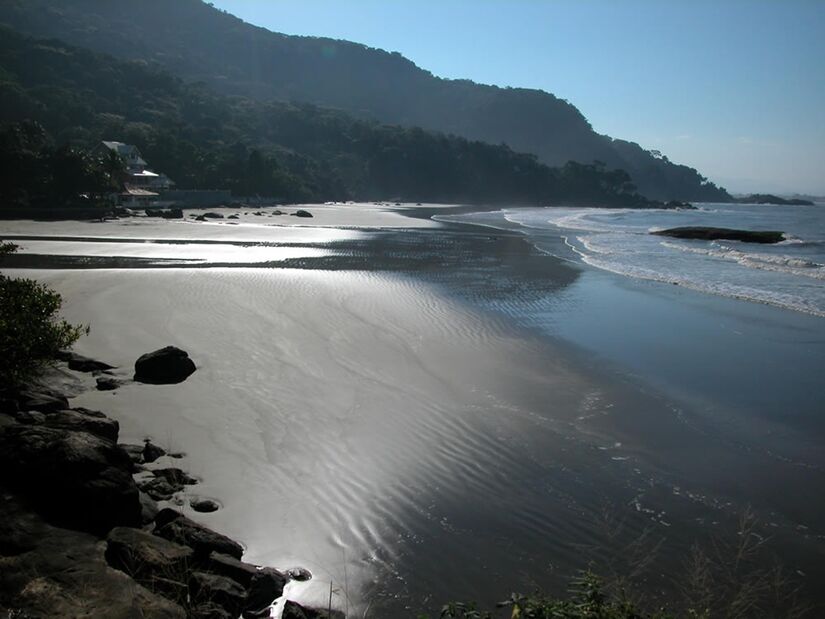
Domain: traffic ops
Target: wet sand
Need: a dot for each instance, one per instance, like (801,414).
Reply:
(360,410)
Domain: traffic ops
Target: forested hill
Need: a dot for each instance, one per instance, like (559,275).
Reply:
(195,41)
(293,152)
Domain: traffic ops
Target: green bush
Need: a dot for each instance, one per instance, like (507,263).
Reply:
(31,334)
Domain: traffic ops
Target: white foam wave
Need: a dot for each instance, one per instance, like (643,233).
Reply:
(747,293)
(767,262)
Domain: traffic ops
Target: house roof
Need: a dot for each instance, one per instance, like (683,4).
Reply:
(127,151)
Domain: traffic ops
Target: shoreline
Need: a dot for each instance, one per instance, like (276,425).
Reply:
(595,403)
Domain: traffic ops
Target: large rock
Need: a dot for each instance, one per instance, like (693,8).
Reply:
(205,588)
(75,478)
(728,234)
(107,383)
(165,366)
(293,610)
(102,427)
(79,363)
(156,563)
(47,572)
(152,452)
(302,213)
(267,585)
(230,567)
(41,401)
(175,527)
(146,557)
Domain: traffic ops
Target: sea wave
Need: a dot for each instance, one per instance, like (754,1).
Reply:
(768,262)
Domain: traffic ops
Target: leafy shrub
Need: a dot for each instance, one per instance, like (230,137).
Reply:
(31,334)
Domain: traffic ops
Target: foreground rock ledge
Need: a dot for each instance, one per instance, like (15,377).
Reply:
(165,366)
(727,234)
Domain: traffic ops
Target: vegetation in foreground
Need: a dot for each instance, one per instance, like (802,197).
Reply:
(31,333)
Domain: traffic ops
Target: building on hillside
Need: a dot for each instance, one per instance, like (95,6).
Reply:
(142,187)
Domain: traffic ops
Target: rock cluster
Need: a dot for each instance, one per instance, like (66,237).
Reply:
(80,537)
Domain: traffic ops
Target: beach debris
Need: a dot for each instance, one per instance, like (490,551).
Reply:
(165,366)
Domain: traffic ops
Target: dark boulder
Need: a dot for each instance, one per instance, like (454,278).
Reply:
(43,402)
(159,488)
(213,216)
(172,213)
(145,556)
(174,476)
(74,478)
(300,574)
(293,610)
(135,452)
(267,585)
(230,567)
(102,427)
(107,383)
(148,508)
(152,452)
(79,363)
(727,234)
(52,572)
(199,218)
(233,217)
(204,541)
(205,588)
(169,365)
(302,213)
(209,610)
(204,506)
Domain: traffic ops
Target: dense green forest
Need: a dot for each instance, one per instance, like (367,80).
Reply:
(197,42)
(293,152)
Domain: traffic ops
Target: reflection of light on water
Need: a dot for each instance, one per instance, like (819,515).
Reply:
(201,252)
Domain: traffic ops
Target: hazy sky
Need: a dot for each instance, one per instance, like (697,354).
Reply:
(735,88)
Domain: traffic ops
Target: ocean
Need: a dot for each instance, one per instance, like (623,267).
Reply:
(790,274)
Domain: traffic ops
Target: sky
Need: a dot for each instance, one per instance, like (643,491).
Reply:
(734,88)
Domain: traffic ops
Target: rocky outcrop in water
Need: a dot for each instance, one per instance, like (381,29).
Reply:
(728,234)
(166,366)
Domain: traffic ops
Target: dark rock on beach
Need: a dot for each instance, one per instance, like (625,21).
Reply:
(220,591)
(73,477)
(180,529)
(43,402)
(169,365)
(172,213)
(727,234)
(145,556)
(302,213)
(135,452)
(265,587)
(204,505)
(79,363)
(107,383)
(53,572)
(213,216)
(80,421)
(152,452)
(293,610)
(174,476)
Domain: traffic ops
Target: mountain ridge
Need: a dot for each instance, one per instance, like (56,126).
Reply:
(201,43)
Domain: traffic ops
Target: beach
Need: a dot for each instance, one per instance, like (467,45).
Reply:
(421,411)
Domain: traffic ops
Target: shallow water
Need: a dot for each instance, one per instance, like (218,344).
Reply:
(454,414)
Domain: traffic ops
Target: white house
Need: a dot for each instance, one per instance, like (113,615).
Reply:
(143,186)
